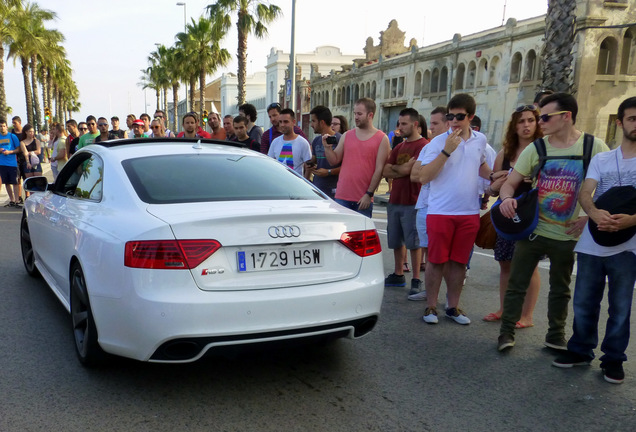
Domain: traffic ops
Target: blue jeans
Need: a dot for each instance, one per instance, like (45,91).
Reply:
(353,205)
(620,270)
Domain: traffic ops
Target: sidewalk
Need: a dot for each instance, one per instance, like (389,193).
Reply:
(46,171)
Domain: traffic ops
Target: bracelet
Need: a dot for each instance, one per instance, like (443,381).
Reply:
(445,153)
(503,199)
(490,176)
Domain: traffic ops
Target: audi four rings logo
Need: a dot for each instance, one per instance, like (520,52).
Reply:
(282,231)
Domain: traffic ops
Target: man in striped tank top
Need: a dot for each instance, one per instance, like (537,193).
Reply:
(362,153)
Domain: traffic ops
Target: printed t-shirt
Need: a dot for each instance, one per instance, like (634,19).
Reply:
(609,169)
(8,142)
(358,165)
(272,133)
(559,184)
(404,191)
(293,153)
(86,139)
(455,189)
(326,184)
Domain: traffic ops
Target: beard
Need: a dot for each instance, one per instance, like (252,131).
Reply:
(630,136)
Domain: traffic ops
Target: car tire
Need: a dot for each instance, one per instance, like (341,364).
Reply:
(87,347)
(28,255)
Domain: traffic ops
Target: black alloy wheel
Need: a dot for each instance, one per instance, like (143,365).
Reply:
(28,256)
(87,348)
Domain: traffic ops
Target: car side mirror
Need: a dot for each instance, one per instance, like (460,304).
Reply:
(36,184)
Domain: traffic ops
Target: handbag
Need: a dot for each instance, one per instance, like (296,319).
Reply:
(486,236)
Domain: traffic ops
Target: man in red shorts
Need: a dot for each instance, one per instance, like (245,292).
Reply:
(452,164)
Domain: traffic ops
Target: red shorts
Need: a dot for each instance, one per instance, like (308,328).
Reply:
(451,238)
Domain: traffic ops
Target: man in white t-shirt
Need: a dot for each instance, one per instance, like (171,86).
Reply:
(617,262)
(290,149)
(457,157)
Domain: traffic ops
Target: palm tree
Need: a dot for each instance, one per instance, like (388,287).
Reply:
(559,43)
(174,74)
(27,41)
(7,27)
(149,80)
(157,60)
(185,50)
(252,15)
(50,39)
(205,53)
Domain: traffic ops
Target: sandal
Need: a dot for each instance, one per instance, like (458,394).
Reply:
(406,267)
(522,326)
(423,267)
(492,317)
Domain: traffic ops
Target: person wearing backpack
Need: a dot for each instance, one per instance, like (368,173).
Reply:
(559,179)
(607,250)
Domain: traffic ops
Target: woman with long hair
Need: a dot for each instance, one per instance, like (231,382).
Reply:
(522,130)
(30,151)
(58,154)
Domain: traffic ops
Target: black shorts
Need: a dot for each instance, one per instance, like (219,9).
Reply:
(9,174)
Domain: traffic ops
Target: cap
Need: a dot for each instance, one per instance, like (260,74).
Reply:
(138,122)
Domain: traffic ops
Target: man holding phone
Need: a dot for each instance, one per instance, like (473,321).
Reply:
(325,174)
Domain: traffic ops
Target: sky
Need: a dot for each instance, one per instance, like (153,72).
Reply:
(108,43)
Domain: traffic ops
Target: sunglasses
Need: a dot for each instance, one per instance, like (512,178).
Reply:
(102,124)
(523,108)
(156,127)
(273,106)
(546,117)
(83,128)
(459,117)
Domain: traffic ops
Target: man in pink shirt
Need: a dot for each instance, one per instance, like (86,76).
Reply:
(362,153)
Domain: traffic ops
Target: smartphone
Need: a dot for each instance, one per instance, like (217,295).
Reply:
(332,140)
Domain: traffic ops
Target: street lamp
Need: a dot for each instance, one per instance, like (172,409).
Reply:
(185,83)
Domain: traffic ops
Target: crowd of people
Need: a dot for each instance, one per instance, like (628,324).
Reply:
(441,175)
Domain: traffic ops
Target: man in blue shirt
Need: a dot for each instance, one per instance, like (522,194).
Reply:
(9,147)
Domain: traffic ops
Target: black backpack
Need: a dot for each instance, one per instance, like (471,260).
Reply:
(588,144)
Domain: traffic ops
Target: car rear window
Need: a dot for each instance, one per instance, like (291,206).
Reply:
(219,177)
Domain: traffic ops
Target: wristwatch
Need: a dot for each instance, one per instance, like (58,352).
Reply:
(370,194)
(329,172)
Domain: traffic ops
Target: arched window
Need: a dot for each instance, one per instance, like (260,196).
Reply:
(367,90)
(459,79)
(482,74)
(628,56)
(607,56)
(492,72)
(346,95)
(435,81)
(470,79)
(356,92)
(531,66)
(327,98)
(426,84)
(334,98)
(443,79)
(417,90)
(515,68)
(373,89)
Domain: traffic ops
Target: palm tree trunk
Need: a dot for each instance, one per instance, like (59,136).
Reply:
(36,97)
(242,63)
(202,95)
(56,96)
(558,45)
(175,102)
(27,89)
(158,94)
(49,90)
(193,82)
(3,94)
(165,102)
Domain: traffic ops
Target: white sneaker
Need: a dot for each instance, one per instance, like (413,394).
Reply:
(430,316)
(457,315)
(418,296)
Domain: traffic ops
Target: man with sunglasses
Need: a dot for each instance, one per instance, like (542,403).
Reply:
(273,111)
(452,163)
(161,115)
(89,137)
(104,133)
(558,183)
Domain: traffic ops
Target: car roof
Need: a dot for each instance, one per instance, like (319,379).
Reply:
(140,147)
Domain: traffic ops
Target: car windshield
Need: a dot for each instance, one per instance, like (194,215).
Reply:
(221,177)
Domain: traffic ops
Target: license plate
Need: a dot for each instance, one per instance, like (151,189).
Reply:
(278,259)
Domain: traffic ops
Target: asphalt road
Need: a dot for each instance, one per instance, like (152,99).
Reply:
(404,376)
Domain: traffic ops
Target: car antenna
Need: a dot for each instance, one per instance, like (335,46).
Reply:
(198,145)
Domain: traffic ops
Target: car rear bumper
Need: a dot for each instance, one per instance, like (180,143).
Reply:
(181,324)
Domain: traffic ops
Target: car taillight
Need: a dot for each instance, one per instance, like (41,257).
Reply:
(363,243)
(169,254)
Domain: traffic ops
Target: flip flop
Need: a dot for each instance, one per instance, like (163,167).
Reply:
(406,267)
(423,267)
(522,326)
(492,317)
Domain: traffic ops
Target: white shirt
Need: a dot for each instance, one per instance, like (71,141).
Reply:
(300,152)
(455,189)
(609,169)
